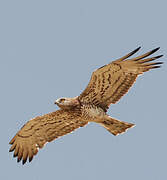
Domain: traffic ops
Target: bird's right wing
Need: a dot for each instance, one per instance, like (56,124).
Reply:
(40,130)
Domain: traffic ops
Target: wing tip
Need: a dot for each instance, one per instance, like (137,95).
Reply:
(19,159)
(154,67)
(156,57)
(151,52)
(157,48)
(24,161)
(137,48)
(11,150)
(14,155)
(128,55)
(30,159)
(154,50)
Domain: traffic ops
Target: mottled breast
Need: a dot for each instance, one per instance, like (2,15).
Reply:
(91,112)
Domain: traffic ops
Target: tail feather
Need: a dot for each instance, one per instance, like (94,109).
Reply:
(116,127)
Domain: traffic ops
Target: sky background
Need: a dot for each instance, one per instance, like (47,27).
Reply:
(48,49)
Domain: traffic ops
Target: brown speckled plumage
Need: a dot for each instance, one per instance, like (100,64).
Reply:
(40,130)
(107,85)
(110,82)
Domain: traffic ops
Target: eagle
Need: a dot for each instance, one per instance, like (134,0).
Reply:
(107,85)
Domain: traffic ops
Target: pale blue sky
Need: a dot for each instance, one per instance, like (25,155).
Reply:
(48,49)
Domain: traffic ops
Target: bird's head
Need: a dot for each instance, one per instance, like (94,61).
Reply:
(62,101)
(67,103)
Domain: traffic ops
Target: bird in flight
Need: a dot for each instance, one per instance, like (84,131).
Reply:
(107,85)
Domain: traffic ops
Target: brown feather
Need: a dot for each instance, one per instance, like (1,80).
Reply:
(36,132)
(128,55)
(16,150)
(146,54)
(110,82)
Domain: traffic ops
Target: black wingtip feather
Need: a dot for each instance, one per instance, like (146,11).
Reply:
(30,159)
(154,67)
(152,64)
(158,63)
(137,49)
(156,57)
(24,161)
(18,160)
(10,150)
(14,155)
(154,50)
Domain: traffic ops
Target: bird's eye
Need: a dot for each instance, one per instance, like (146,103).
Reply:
(62,100)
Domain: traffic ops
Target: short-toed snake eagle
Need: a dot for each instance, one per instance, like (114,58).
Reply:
(107,85)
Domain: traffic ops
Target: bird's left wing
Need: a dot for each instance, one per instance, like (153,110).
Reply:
(40,130)
(110,82)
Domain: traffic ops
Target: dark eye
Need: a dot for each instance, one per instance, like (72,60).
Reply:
(62,100)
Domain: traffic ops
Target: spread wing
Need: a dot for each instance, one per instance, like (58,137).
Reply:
(40,130)
(110,82)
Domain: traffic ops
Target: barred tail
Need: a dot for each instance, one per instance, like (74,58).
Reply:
(116,127)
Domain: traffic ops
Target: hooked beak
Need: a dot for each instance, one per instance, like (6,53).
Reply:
(56,102)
